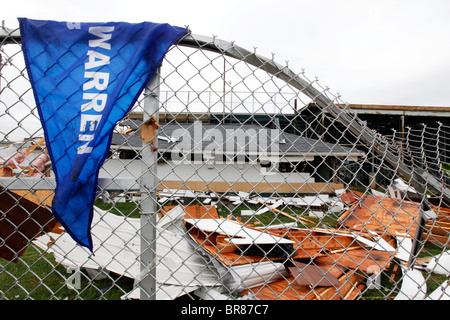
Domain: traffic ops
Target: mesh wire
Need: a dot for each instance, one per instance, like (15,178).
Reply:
(306,200)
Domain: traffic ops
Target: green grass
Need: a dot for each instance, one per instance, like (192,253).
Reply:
(38,276)
(128,209)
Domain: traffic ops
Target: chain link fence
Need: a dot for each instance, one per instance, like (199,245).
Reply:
(233,178)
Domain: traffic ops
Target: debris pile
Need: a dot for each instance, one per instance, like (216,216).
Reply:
(327,264)
(213,257)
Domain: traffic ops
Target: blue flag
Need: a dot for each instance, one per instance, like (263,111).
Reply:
(85,78)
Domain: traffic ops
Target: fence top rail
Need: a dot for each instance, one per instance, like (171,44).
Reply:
(9,35)
(227,48)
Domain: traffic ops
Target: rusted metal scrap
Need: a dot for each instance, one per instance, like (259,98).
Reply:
(148,132)
(382,215)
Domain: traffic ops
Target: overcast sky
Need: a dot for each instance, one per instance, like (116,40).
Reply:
(370,52)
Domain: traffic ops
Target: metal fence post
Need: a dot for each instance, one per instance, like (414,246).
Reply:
(148,185)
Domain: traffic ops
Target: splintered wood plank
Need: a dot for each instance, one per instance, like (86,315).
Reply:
(223,254)
(284,289)
(351,196)
(288,289)
(442,212)
(367,261)
(381,215)
(39,197)
(441,228)
(196,211)
(333,268)
(313,275)
(350,281)
(221,237)
(437,239)
(310,242)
